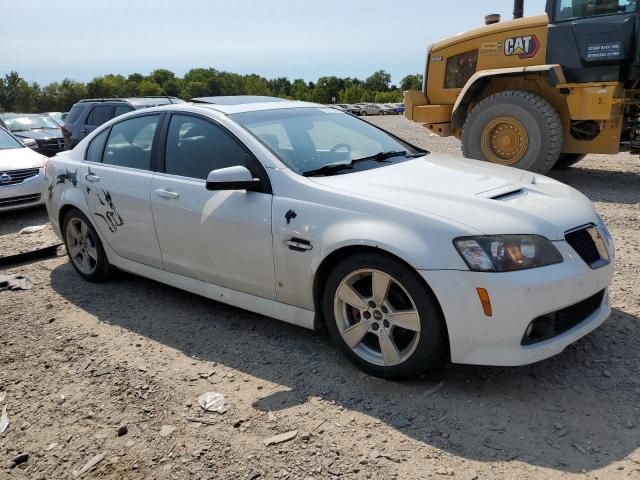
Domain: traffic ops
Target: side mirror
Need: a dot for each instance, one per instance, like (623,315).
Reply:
(232,178)
(29,142)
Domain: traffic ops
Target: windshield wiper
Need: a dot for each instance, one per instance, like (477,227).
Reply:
(332,168)
(329,169)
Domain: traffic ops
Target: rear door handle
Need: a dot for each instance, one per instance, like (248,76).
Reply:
(92,178)
(167,194)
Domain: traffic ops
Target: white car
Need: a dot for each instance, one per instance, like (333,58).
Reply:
(21,174)
(312,216)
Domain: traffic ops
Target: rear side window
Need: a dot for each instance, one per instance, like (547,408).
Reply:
(121,110)
(195,147)
(130,142)
(99,115)
(94,152)
(74,114)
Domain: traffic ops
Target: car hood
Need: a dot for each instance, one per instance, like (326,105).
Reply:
(489,198)
(40,134)
(19,158)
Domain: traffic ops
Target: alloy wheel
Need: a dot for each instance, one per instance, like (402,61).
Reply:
(376,317)
(81,246)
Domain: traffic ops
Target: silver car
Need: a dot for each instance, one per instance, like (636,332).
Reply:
(370,109)
(21,174)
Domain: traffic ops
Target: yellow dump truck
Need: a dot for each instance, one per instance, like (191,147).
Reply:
(539,92)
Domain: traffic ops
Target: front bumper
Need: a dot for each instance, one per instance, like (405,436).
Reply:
(517,298)
(29,193)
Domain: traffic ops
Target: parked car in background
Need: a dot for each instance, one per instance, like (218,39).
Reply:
(86,115)
(370,109)
(39,127)
(21,174)
(399,108)
(386,109)
(354,109)
(303,213)
(58,117)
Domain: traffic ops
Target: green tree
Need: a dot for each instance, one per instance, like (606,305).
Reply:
(256,85)
(411,82)
(149,88)
(378,82)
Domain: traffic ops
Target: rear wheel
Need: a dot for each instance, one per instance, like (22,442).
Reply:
(383,317)
(84,247)
(514,128)
(567,160)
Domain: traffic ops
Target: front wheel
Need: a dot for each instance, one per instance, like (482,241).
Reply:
(515,128)
(383,317)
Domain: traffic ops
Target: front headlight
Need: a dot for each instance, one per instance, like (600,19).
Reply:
(506,253)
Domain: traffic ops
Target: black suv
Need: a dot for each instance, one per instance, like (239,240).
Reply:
(86,115)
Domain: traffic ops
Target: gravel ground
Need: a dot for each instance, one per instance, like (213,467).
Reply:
(109,375)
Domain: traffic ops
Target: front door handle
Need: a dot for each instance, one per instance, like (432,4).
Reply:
(167,194)
(92,178)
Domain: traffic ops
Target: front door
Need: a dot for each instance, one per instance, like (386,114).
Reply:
(116,178)
(221,237)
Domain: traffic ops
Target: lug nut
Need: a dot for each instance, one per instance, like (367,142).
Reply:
(367,315)
(375,327)
(372,304)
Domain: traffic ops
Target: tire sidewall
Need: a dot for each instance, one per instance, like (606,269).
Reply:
(432,342)
(536,125)
(103,267)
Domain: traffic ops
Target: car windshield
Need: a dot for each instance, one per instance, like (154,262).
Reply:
(7,141)
(312,140)
(30,122)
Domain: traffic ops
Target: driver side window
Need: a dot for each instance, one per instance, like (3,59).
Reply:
(196,146)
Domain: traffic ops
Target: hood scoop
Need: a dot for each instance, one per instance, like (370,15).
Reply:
(504,193)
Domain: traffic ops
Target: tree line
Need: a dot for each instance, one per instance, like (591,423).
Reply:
(18,95)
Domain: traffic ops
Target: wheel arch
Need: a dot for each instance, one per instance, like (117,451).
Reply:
(334,258)
(473,90)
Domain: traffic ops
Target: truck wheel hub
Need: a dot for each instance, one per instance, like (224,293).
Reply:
(504,141)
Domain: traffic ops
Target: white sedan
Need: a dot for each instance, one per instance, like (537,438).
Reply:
(21,174)
(312,216)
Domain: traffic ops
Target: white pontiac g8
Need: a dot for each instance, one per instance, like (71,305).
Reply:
(308,214)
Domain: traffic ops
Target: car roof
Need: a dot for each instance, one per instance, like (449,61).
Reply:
(249,103)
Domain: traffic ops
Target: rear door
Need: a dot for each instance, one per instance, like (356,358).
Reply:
(117,175)
(221,237)
(98,115)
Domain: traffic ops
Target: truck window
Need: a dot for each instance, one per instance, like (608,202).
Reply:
(571,9)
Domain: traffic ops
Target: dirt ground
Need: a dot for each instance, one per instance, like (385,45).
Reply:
(111,374)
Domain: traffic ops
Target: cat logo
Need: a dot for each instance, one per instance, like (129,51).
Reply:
(524,47)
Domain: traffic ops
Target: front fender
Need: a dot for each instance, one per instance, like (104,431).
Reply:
(329,229)
(476,84)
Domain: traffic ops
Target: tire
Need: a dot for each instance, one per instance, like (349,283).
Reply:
(363,113)
(380,112)
(84,248)
(363,332)
(530,126)
(567,160)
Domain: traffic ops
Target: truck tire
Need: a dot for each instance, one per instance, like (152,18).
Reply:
(567,160)
(515,128)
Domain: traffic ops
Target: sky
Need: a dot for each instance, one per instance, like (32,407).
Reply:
(46,41)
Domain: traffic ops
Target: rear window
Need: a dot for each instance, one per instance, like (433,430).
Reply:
(74,114)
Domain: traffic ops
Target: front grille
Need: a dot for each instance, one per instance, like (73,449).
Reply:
(51,145)
(556,323)
(13,177)
(588,243)
(17,201)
